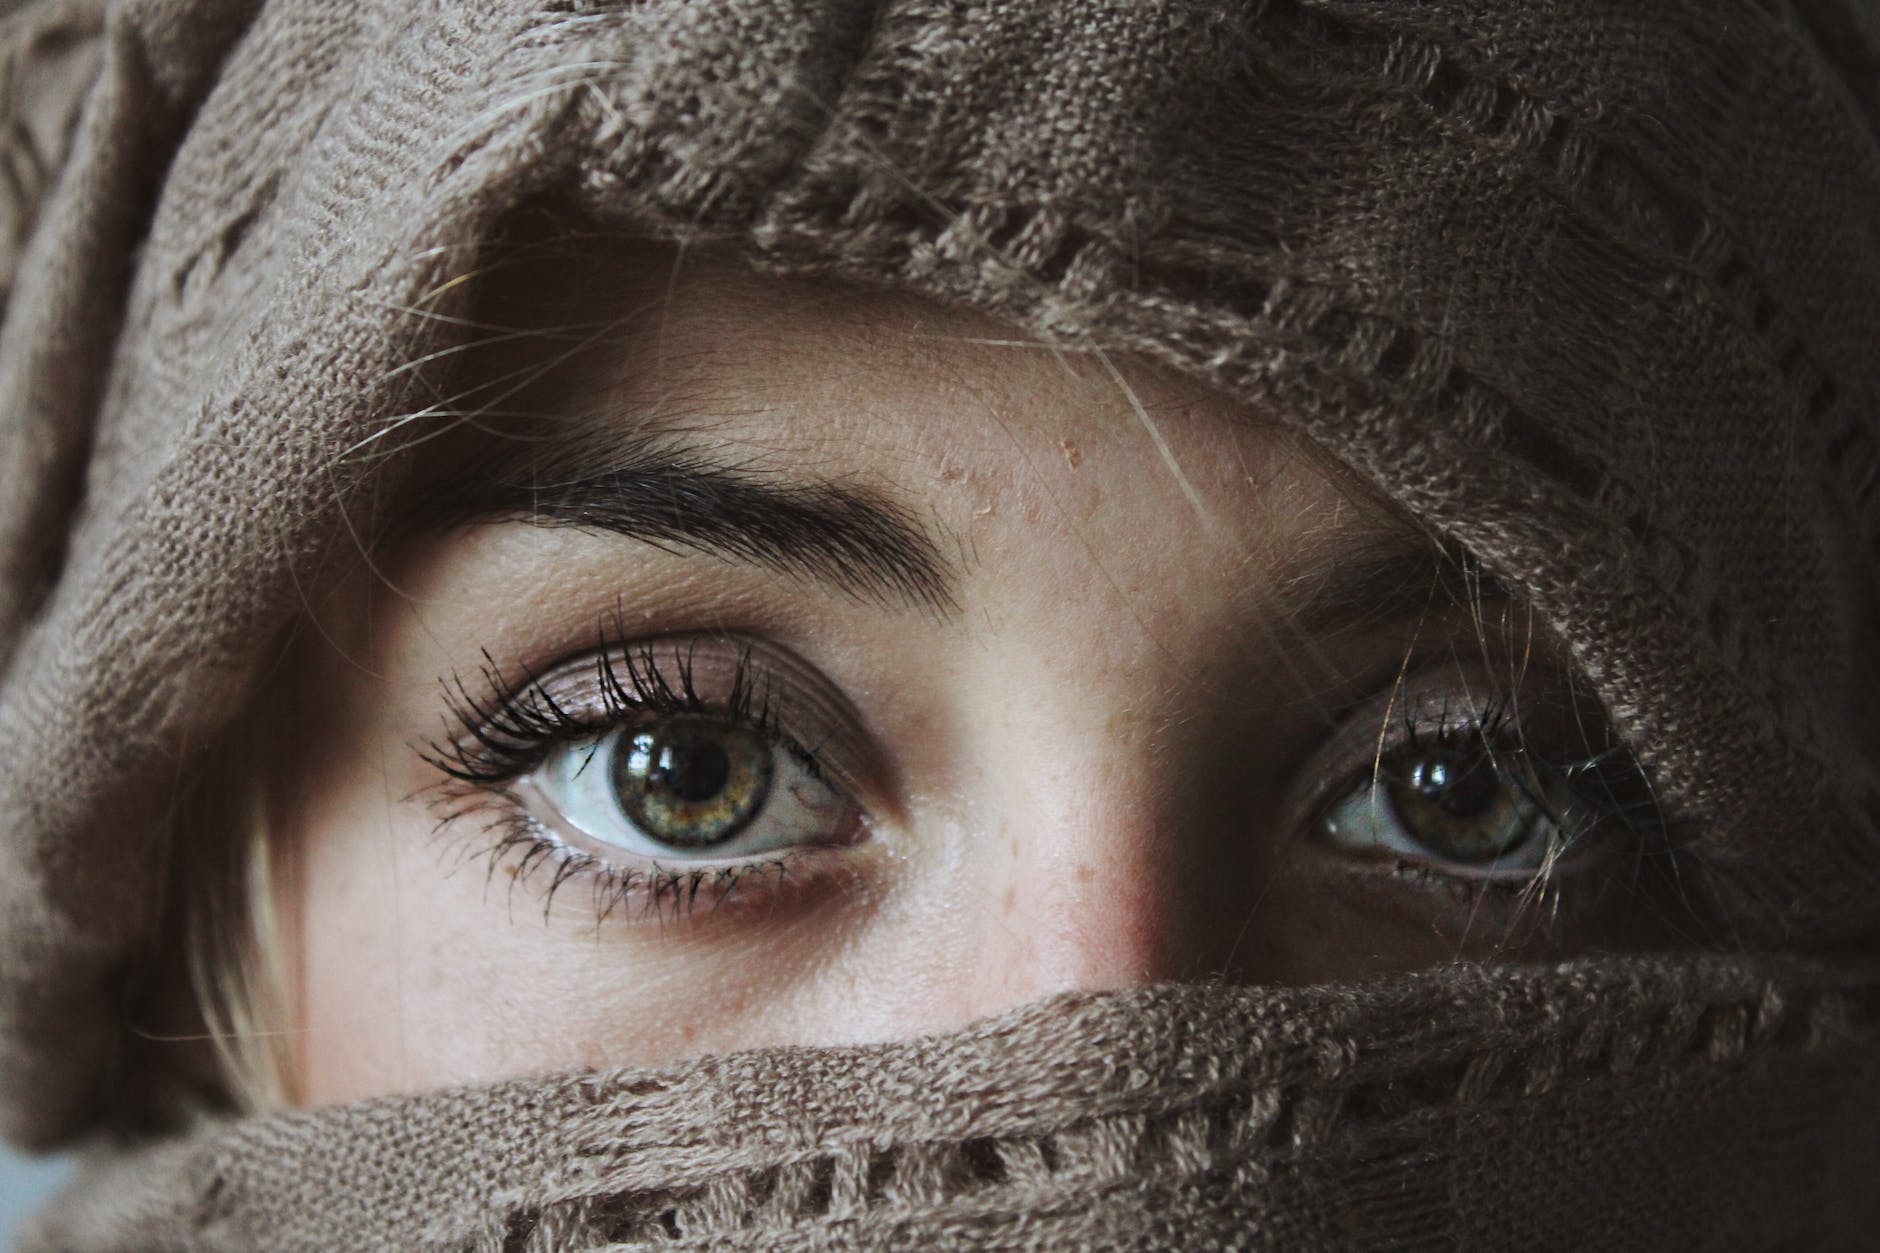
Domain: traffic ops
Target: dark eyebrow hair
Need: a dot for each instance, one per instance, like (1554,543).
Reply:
(844,536)
(1384,581)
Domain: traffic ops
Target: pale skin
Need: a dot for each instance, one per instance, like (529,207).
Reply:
(1104,757)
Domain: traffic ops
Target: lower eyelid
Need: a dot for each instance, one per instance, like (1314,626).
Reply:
(662,894)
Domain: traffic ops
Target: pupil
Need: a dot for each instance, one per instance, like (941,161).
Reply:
(692,782)
(1459,789)
(691,768)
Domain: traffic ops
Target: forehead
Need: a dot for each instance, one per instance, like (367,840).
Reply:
(596,344)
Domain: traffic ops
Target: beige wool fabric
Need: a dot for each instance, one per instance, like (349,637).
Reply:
(1590,286)
(1718,1106)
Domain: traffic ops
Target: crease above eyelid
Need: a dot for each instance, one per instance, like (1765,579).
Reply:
(1354,750)
(708,674)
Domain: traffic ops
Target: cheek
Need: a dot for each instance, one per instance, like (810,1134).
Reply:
(421,965)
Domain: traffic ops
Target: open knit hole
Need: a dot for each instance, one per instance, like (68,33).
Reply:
(1282,1128)
(1334,329)
(1399,354)
(1064,258)
(521,1225)
(1209,282)
(1445,85)
(1050,1154)
(819,1195)
(1437,1087)
(761,1186)
(1502,103)
(1554,141)
(1532,443)
(980,1161)
(626,1216)
(882,1168)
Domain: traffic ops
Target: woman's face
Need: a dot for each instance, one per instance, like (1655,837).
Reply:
(769,663)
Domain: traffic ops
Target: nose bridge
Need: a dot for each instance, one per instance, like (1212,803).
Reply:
(1106,806)
(1099,889)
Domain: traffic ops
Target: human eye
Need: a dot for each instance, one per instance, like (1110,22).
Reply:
(661,773)
(1514,802)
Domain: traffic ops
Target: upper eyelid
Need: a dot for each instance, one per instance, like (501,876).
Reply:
(501,736)
(1383,721)
(505,733)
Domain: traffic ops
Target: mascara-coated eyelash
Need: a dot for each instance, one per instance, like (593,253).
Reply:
(664,770)
(1469,793)
(503,736)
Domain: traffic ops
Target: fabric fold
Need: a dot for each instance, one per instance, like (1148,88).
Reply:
(1614,1105)
(1590,287)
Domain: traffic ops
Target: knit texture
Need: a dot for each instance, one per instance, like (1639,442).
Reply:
(1613,1107)
(1590,286)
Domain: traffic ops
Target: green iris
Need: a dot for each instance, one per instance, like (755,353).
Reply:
(1461,806)
(692,782)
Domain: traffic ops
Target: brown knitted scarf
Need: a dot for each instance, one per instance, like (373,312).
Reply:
(1713,1106)
(1590,286)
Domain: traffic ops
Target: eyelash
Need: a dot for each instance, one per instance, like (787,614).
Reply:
(512,733)
(495,741)
(1605,777)
(498,740)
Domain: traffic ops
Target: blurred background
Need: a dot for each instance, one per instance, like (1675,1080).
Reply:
(24,1184)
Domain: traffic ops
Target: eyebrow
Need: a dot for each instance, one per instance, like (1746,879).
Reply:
(852,539)
(867,545)
(1386,580)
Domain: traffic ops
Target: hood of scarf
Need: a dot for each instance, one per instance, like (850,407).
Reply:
(1616,1105)
(1592,287)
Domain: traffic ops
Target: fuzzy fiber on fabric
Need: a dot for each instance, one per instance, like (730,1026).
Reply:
(1590,286)
(1721,1106)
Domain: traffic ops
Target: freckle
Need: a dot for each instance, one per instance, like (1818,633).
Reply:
(1010,899)
(1084,872)
(951,474)
(688,1032)
(1073,455)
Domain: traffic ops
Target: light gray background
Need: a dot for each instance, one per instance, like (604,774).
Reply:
(24,1184)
